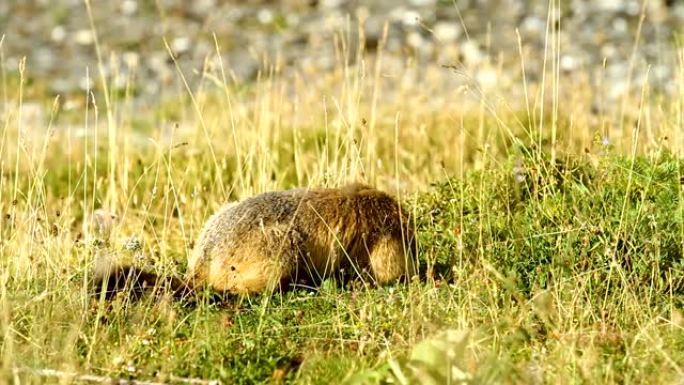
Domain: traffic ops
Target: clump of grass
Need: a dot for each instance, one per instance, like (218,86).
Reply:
(557,270)
(617,220)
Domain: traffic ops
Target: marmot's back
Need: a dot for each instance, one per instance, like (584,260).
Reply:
(275,238)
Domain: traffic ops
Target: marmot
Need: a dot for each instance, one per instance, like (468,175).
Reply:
(273,240)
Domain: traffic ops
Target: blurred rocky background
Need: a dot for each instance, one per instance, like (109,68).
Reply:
(56,38)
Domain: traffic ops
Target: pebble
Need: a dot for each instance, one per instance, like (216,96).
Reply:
(471,53)
(58,34)
(129,7)
(180,45)
(447,32)
(83,37)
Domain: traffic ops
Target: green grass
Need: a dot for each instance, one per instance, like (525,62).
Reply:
(564,271)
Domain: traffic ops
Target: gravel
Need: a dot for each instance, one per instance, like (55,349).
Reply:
(56,38)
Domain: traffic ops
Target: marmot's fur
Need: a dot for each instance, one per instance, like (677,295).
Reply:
(276,239)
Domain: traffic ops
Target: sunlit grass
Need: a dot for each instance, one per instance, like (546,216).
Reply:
(551,232)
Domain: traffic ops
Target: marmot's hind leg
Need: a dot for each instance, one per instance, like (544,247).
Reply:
(391,259)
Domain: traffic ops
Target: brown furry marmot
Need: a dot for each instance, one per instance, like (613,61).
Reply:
(276,239)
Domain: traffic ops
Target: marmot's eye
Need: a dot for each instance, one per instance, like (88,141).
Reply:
(232,268)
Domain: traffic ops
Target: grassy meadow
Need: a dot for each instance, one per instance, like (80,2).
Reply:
(551,233)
